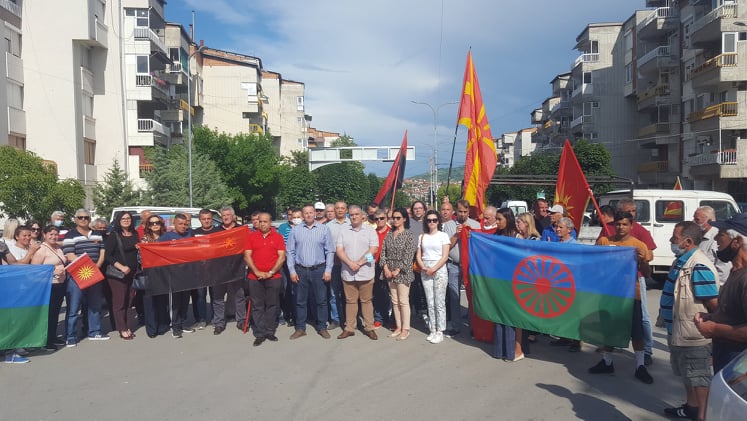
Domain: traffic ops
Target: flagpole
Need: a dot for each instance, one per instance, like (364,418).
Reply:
(451,162)
(394,191)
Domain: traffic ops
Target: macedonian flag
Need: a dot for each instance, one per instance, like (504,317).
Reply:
(195,262)
(481,160)
(572,191)
(84,272)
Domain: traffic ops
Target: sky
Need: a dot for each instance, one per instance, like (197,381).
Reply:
(363,63)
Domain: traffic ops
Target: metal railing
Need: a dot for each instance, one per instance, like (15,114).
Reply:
(146,80)
(149,34)
(659,13)
(724,157)
(586,58)
(560,105)
(721,60)
(653,129)
(150,125)
(12,7)
(660,51)
(723,11)
(654,91)
(581,120)
(724,109)
(653,166)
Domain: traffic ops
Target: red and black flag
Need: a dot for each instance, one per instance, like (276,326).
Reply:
(196,262)
(394,179)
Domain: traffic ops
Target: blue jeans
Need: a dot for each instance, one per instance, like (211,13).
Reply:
(648,337)
(453,295)
(336,296)
(310,283)
(75,297)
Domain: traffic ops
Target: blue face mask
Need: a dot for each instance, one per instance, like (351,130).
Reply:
(58,223)
(676,250)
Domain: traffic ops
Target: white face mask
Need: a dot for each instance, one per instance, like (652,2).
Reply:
(297,221)
(676,250)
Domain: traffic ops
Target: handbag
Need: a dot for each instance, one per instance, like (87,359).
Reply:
(415,266)
(111,271)
(140,280)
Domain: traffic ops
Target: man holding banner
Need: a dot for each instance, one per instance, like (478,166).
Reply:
(179,299)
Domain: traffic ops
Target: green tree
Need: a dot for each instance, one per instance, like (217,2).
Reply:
(29,187)
(344,181)
(116,190)
(455,193)
(169,181)
(297,184)
(247,163)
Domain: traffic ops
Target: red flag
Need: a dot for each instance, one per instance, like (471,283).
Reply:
(481,154)
(677,184)
(393,181)
(84,272)
(572,190)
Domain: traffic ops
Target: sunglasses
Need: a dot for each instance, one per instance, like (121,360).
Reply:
(87,218)
(154,222)
(36,229)
(430,220)
(381,218)
(397,218)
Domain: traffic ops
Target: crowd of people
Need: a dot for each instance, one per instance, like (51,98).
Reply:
(363,268)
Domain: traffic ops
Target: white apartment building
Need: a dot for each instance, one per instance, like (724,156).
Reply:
(285,113)
(12,129)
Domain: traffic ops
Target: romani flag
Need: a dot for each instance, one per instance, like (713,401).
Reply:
(570,290)
(393,181)
(481,160)
(84,271)
(196,262)
(572,191)
(24,305)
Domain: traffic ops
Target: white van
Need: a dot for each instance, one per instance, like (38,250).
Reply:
(167,213)
(660,210)
(516,206)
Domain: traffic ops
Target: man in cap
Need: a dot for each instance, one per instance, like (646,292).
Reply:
(727,326)
(548,234)
(320,213)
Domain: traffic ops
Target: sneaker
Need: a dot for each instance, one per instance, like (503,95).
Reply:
(430,337)
(438,337)
(188,330)
(176,335)
(201,325)
(377,325)
(98,338)
(15,358)
(575,347)
(642,374)
(22,352)
(71,344)
(685,411)
(602,368)
(647,360)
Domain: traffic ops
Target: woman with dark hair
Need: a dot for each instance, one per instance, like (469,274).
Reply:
(156,306)
(51,253)
(433,252)
(36,231)
(396,263)
(508,339)
(121,254)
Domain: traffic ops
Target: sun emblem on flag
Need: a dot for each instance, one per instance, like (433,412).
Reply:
(86,272)
(544,286)
(228,243)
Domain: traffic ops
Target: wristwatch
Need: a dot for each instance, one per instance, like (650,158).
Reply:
(270,272)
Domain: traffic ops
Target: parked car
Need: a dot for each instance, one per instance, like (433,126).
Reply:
(727,399)
(516,206)
(167,213)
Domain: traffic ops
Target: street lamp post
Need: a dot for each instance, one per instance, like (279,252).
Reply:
(434,177)
(189,119)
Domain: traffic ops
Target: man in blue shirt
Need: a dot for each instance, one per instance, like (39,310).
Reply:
(179,300)
(311,254)
(548,234)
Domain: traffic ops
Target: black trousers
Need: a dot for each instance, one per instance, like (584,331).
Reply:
(179,306)
(265,297)
(55,305)
(156,310)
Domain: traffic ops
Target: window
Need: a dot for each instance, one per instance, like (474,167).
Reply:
(89,151)
(587,77)
(628,73)
(724,210)
(299,103)
(142,64)
(15,96)
(594,44)
(628,40)
(642,211)
(142,19)
(670,210)
(588,106)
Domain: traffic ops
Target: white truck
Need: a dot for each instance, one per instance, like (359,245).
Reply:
(660,210)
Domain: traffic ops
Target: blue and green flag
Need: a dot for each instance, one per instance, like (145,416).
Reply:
(570,290)
(24,305)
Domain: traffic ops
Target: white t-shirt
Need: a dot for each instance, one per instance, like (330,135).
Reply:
(432,246)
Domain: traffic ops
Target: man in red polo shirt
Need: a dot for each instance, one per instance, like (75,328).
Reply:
(264,255)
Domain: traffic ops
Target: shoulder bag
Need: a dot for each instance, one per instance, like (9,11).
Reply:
(415,266)
(111,271)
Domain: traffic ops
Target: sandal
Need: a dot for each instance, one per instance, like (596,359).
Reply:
(405,334)
(395,333)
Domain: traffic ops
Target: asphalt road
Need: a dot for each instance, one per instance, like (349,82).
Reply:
(207,377)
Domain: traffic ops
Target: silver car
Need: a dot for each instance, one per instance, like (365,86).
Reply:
(727,399)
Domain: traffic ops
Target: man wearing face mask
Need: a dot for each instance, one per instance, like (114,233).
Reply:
(727,326)
(709,246)
(288,292)
(58,220)
(691,285)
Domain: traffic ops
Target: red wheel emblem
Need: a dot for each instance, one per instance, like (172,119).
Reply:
(544,286)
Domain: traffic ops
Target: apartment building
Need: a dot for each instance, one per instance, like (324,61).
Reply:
(512,146)
(12,129)
(70,87)
(287,120)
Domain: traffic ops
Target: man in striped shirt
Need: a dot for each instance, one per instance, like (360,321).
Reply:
(691,284)
(311,254)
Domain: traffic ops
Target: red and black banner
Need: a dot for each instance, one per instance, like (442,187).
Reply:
(394,179)
(196,262)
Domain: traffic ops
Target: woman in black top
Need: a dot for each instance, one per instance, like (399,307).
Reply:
(121,253)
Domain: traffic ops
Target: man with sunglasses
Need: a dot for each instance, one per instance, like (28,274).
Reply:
(79,240)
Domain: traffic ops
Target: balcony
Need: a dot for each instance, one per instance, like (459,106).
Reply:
(146,80)
(147,33)
(586,58)
(653,167)
(11,7)
(584,119)
(86,81)
(724,109)
(709,27)
(653,129)
(89,127)
(662,54)
(660,19)
(16,121)
(722,68)
(560,106)
(145,169)
(583,89)
(721,60)
(148,125)
(723,157)
(14,68)
(101,34)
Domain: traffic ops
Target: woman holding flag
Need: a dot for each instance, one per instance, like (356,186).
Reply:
(507,338)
